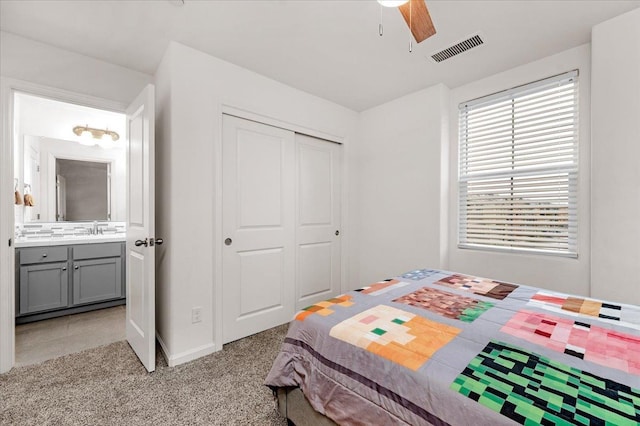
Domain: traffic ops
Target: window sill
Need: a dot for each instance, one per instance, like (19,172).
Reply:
(513,250)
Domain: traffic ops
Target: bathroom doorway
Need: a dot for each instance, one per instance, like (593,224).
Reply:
(139,208)
(70,227)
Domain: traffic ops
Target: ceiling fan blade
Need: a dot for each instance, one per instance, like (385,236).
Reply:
(421,24)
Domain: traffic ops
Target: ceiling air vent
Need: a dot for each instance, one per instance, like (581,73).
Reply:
(458,48)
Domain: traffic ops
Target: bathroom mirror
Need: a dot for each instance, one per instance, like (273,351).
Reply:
(71,182)
(82,190)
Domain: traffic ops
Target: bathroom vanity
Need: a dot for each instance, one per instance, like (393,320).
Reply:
(58,277)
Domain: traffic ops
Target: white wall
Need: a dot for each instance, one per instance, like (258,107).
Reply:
(551,272)
(40,63)
(402,179)
(615,130)
(192,89)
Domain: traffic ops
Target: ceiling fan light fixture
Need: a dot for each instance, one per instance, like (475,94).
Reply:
(392,3)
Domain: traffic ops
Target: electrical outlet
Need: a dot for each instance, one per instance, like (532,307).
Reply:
(196,315)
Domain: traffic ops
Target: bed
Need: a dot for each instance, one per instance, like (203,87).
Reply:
(434,347)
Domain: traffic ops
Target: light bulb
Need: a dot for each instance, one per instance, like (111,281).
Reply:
(86,139)
(392,3)
(106,143)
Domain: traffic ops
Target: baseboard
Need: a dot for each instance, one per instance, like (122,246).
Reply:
(186,356)
(163,348)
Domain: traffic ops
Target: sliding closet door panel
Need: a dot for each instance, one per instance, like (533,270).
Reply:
(315,180)
(318,166)
(259,173)
(262,273)
(315,271)
(258,184)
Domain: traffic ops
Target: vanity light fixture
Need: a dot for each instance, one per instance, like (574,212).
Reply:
(96,133)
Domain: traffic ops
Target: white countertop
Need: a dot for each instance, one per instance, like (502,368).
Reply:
(66,240)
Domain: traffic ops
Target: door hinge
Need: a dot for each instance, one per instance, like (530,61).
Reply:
(9,242)
(38,168)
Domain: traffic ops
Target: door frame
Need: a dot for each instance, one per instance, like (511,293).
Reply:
(237,111)
(8,88)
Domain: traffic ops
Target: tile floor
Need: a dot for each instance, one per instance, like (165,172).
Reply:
(43,340)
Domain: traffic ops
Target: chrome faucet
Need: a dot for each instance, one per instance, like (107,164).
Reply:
(94,231)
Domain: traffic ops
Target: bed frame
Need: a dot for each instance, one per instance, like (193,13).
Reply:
(293,405)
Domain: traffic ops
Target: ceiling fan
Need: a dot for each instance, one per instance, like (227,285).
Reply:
(416,15)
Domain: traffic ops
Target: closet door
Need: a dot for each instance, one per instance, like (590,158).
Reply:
(258,185)
(318,239)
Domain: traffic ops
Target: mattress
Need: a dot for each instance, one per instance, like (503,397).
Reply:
(436,347)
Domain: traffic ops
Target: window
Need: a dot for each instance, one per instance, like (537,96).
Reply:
(519,168)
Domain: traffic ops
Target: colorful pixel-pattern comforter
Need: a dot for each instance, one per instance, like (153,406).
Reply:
(435,347)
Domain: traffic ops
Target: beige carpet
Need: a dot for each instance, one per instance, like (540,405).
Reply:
(109,386)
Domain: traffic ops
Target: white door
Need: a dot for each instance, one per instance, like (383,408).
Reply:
(141,327)
(318,238)
(61,198)
(258,185)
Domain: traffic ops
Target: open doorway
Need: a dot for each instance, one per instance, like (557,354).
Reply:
(70,227)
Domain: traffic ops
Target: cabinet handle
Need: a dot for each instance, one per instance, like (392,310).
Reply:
(64,268)
(44,255)
(75,267)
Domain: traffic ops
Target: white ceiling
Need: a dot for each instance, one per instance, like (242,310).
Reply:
(329,48)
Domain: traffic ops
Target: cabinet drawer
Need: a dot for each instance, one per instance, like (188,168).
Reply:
(42,254)
(96,251)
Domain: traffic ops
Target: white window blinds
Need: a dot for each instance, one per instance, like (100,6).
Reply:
(518,168)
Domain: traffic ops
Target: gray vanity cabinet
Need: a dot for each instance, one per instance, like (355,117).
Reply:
(43,286)
(60,280)
(97,273)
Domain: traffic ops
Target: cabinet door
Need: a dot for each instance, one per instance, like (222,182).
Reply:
(43,287)
(97,280)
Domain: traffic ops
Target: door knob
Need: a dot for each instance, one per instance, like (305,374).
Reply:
(139,243)
(155,241)
(228,241)
(337,232)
